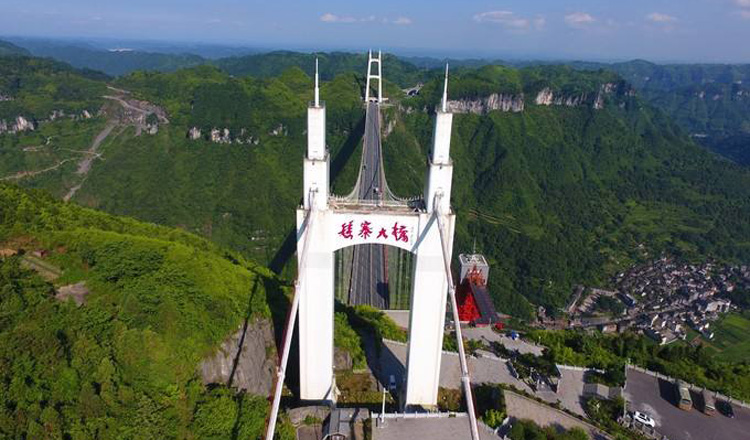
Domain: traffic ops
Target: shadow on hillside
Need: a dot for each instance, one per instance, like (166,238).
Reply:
(279,304)
(241,342)
(347,150)
(289,245)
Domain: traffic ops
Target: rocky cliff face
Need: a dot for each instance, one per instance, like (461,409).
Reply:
(481,106)
(246,360)
(20,123)
(226,136)
(546,97)
(16,126)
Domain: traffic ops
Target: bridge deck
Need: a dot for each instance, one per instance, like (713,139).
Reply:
(369,280)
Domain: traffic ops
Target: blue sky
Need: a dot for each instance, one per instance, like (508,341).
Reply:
(659,30)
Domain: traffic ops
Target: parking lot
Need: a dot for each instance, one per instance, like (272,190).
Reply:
(657,398)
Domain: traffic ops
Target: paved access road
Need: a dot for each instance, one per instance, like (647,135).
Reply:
(486,334)
(519,407)
(432,428)
(482,369)
(369,282)
(656,397)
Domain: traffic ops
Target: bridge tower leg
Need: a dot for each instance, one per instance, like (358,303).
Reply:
(430,286)
(316,272)
(378,76)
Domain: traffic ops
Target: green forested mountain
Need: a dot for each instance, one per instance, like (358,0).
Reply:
(558,195)
(710,101)
(116,62)
(261,65)
(578,178)
(34,87)
(331,64)
(124,365)
(8,49)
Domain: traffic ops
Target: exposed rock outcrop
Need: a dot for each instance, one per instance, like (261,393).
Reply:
(220,136)
(194,133)
(16,126)
(548,97)
(245,360)
(77,291)
(545,97)
(23,124)
(481,106)
(389,127)
(280,130)
(342,360)
(223,136)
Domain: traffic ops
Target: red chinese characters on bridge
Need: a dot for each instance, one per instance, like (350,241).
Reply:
(366,229)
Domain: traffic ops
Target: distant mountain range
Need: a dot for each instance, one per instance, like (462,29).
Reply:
(711,102)
(7,48)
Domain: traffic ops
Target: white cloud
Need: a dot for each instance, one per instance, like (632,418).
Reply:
(333,18)
(658,17)
(579,19)
(402,21)
(510,20)
(744,11)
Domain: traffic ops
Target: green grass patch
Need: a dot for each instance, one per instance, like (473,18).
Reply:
(731,338)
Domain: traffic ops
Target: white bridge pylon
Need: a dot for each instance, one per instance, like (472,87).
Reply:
(342,224)
(326,224)
(378,76)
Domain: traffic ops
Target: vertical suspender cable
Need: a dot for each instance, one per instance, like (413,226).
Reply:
(465,379)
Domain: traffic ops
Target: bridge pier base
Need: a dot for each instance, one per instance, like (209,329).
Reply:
(427,316)
(316,308)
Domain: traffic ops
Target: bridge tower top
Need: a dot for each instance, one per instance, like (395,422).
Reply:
(444,102)
(316,164)
(317,85)
(378,76)
(440,173)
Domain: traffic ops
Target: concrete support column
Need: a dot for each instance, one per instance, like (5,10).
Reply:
(427,317)
(316,275)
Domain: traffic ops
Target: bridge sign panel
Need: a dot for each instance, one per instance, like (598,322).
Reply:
(349,229)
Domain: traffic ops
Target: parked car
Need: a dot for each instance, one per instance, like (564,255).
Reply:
(683,390)
(392,384)
(644,419)
(709,403)
(725,408)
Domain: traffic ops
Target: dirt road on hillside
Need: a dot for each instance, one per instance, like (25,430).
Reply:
(85,164)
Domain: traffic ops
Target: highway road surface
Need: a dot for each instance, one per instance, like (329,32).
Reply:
(369,281)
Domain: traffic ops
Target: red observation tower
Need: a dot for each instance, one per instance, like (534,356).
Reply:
(474,303)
